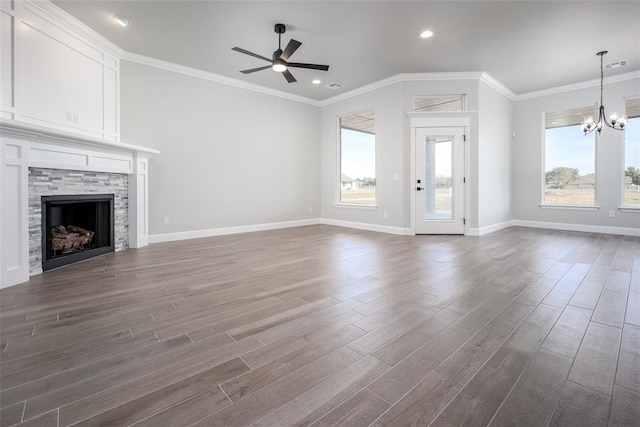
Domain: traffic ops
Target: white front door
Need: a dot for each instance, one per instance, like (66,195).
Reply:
(439,186)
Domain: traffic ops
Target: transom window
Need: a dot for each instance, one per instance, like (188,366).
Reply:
(358,159)
(569,159)
(439,103)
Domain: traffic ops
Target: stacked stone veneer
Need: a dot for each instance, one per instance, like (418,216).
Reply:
(53,182)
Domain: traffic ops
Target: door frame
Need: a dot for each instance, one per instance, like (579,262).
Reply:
(439,120)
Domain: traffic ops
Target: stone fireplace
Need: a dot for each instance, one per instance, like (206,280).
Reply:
(64,187)
(38,163)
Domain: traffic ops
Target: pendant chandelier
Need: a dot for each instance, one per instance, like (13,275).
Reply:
(614,121)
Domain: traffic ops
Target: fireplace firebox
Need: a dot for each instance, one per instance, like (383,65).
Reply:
(75,228)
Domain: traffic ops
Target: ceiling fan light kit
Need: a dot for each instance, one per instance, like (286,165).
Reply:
(280,58)
(614,121)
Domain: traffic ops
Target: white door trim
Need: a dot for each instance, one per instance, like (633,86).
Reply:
(429,120)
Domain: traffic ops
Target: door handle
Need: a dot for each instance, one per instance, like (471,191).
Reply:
(419,188)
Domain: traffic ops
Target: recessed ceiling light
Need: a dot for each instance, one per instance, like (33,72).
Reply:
(121,20)
(426,34)
(316,82)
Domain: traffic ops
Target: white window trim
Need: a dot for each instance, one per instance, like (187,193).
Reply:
(623,207)
(629,209)
(570,207)
(355,206)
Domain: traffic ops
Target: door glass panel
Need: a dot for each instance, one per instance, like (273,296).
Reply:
(438,189)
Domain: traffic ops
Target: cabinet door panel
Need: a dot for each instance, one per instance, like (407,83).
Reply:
(58,83)
(110,101)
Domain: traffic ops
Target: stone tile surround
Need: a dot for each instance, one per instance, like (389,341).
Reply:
(49,182)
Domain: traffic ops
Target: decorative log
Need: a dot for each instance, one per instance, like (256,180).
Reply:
(69,237)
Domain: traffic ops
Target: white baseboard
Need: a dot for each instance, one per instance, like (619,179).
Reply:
(577,227)
(481,231)
(196,234)
(369,227)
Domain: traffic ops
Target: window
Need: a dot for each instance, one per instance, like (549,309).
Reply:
(358,158)
(569,159)
(441,103)
(632,155)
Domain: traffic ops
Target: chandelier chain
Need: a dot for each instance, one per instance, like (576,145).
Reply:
(601,77)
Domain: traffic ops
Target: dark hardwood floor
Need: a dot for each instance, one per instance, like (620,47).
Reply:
(323,325)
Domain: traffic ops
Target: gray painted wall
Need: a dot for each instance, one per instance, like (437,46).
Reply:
(229,156)
(393,139)
(233,157)
(387,103)
(527,159)
(495,114)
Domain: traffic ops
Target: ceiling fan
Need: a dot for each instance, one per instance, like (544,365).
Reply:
(280,58)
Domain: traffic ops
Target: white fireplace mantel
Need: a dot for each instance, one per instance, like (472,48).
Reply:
(25,146)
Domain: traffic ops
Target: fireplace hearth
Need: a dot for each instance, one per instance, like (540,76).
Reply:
(76,227)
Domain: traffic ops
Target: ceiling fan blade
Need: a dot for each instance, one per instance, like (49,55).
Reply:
(246,52)
(291,47)
(287,75)
(253,70)
(310,66)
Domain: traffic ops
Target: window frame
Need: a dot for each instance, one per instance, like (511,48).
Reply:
(338,176)
(543,204)
(623,207)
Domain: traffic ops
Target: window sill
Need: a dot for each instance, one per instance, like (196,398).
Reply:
(570,207)
(348,205)
(629,209)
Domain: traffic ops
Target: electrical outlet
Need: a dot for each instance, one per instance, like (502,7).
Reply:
(165,220)
(396,176)
(385,215)
(612,214)
(310,210)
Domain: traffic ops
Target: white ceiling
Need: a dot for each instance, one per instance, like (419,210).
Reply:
(526,45)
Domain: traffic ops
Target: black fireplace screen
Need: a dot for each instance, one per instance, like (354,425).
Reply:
(76,227)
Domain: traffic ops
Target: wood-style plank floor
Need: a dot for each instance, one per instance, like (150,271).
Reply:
(324,325)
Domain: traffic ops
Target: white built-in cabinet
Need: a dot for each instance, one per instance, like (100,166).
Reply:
(55,76)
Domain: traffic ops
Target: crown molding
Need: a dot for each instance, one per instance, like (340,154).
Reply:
(497,86)
(206,75)
(71,24)
(577,86)
(405,77)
